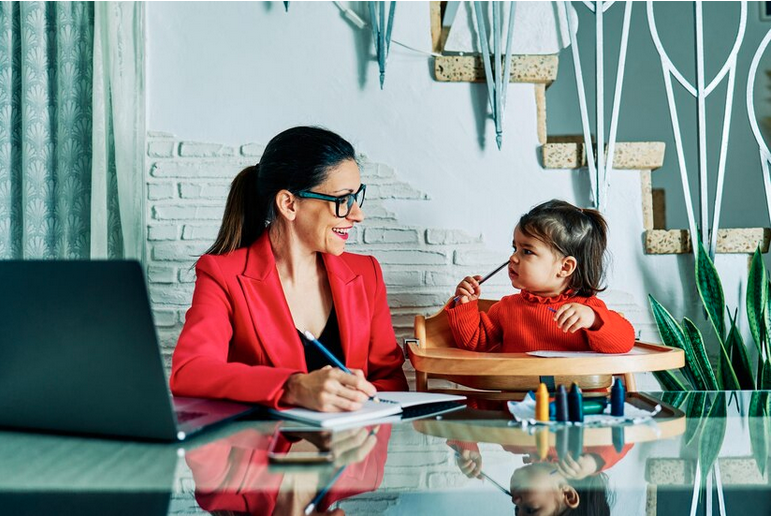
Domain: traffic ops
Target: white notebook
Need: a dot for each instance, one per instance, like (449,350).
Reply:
(391,403)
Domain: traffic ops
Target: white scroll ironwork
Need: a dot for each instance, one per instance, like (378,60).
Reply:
(701,91)
(599,168)
(765,155)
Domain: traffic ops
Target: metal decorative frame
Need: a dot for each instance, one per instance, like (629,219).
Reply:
(701,91)
(599,168)
(765,155)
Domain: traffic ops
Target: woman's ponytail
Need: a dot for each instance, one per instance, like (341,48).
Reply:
(245,213)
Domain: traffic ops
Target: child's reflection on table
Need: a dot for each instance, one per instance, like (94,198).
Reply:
(552,485)
(232,475)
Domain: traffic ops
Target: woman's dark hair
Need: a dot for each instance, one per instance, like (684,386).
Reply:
(297,159)
(594,497)
(572,231)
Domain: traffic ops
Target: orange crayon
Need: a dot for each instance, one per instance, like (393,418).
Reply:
(542,403)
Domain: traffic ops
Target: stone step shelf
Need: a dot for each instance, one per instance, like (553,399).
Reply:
(561,152)
(536,69)
(729,241)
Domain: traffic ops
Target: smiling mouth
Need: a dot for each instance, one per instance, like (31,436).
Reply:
(341,232)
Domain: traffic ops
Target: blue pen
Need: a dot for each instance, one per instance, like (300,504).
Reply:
(551,309)
(490,275)
(321,494)
(332,358)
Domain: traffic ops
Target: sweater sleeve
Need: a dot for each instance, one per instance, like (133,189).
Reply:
(475,330)
(615,334)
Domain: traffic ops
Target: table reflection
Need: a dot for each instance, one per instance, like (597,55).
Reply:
(705,453)
(233,475)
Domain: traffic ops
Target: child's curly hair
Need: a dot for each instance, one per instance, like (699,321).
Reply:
(572,231)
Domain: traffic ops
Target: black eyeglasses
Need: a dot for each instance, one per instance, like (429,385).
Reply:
(343,203)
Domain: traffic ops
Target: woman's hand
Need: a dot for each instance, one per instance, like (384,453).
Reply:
(572,317)
(468,289)
(328,390)
(352,446)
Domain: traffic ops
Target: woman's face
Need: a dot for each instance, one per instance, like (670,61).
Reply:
(317,224)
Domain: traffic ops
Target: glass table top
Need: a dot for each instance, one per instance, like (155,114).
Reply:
(703,451)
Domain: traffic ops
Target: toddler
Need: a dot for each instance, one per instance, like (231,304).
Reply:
(557,263)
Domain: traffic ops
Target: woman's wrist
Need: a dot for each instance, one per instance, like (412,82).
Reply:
(290,389)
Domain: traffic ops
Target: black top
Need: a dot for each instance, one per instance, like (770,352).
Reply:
(330,337)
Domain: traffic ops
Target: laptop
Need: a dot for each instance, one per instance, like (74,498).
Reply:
(79,354)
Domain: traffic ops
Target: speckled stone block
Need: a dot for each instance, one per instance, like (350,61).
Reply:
(540,112)
(675,471)
(729,240)
(539,69)
(568,152)
(647,199)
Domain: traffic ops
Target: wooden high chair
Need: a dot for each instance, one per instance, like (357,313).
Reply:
(435,355)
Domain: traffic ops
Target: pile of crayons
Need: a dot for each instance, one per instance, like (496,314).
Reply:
(571,406)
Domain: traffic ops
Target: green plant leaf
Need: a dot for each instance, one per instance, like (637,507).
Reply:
(697,408)
(712,435)
(668,381)
(759,375)
(711,291)
(739,358)
(759,426)
(757,294)
(699,351)
(766,383)
(675,399)
(672,335)
(726,370)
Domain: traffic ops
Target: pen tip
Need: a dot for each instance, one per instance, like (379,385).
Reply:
(309,335)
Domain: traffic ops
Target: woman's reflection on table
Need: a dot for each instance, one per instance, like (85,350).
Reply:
(232,475)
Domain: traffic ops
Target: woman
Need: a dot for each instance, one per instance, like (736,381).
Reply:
(277,269)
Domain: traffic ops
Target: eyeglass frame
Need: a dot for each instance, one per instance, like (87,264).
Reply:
(338,200)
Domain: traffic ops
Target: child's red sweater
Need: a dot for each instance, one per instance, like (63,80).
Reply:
(523,322)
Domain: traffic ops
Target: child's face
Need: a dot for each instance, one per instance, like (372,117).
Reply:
(538,490)
(535,267)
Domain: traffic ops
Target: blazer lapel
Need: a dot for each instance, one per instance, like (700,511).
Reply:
(350,299)
(270,313)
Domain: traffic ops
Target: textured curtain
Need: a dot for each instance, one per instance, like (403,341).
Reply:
(71,169)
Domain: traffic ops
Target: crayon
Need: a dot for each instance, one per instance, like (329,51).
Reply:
(575,404)
(561,404)
(542,442)
(542,403)
(617,396)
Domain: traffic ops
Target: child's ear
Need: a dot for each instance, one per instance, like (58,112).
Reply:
(568,267)
(570,496)
(286,204)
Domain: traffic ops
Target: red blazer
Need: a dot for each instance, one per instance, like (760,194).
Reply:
(239,341)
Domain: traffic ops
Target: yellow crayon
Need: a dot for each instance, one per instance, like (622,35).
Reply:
(542,403)
(542,442)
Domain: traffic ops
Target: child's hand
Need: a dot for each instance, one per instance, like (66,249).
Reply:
(469,462)
(572,317)
(578,469)
(468,289)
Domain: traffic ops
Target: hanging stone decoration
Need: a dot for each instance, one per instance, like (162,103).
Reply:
(381,33)
(497,79)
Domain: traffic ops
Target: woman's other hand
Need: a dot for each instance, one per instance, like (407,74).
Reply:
(328,390)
